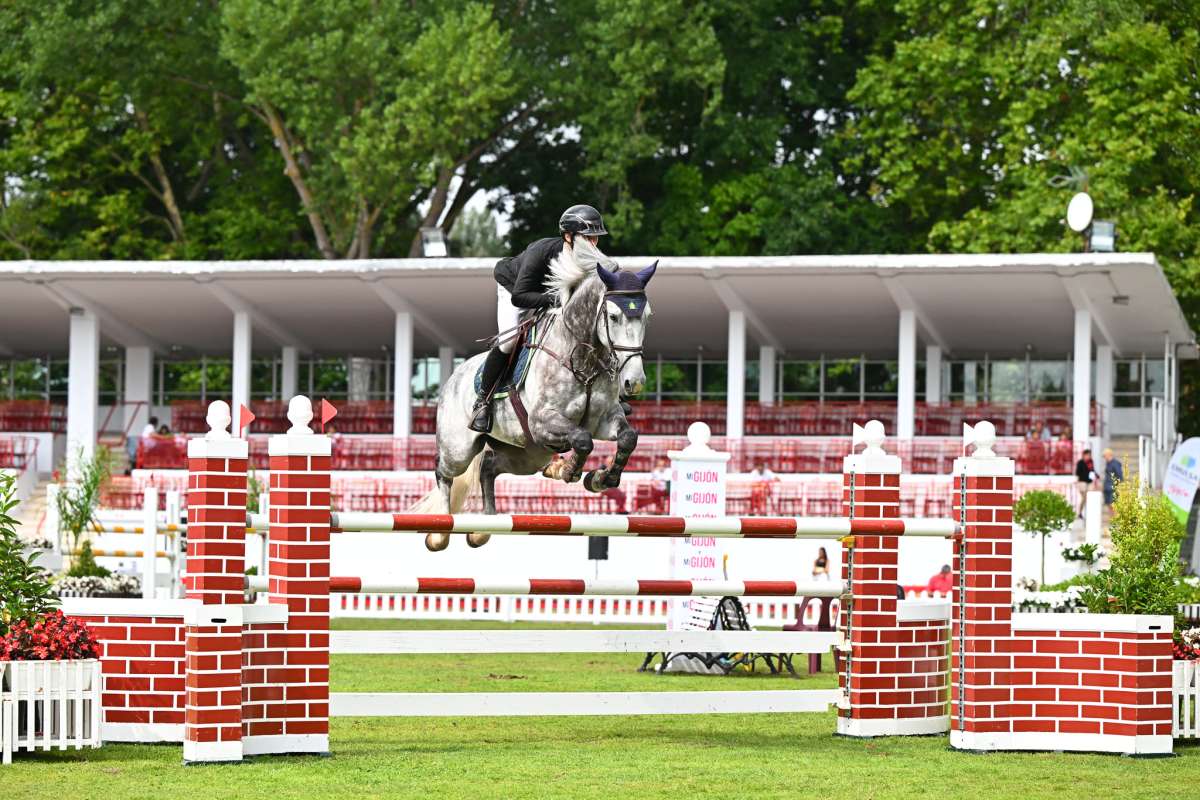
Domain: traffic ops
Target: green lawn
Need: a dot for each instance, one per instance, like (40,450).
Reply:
(750,756)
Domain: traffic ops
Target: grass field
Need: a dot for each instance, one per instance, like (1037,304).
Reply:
(735,756)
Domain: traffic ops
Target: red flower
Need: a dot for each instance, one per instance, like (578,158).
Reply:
(53,637)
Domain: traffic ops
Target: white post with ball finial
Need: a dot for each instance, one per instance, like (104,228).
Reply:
(697,490)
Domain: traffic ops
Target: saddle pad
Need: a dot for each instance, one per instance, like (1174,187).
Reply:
(514,377)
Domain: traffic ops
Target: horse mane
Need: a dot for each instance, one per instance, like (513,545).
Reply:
(566,276)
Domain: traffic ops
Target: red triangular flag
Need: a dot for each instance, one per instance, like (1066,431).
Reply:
(328,412)
(245,417)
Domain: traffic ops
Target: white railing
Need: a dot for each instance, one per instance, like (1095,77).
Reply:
(766,612)
(1154,451)
(1185,722)
(49,704)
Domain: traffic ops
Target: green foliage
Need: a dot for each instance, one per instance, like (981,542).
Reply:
(85,566)
(25,592)
(254,488)
(475,236)
(1042,513)
(1144,572)
(79,495)
(1087,553)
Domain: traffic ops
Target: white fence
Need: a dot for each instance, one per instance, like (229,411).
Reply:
(49,704)
(1186,691)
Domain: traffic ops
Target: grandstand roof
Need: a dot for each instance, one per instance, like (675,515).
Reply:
(806,305)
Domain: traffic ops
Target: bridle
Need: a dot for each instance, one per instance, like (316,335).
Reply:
(604,359)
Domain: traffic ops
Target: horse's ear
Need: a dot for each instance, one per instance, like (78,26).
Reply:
(646,274)
(609,277)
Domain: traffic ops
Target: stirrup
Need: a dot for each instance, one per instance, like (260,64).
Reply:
(481,417)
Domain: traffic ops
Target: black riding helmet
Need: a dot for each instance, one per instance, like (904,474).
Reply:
(582,219)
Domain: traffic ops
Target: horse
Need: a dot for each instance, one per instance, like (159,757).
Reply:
(587,356)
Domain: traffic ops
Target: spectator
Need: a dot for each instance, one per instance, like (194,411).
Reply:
(660,486)
(132,442)
(1114,473)
(941,582)
(164,431)
(760,489)
(821,565)
(1085,477)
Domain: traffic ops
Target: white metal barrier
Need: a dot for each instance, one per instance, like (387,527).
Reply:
(1186,690)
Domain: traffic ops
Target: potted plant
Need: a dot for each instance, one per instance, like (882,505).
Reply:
(1144,573)
(1042,513)
(79,496)
(1081,560)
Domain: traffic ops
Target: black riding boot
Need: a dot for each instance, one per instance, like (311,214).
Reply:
(493,370)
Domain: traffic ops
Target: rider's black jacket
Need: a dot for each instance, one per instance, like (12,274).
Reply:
(525,275)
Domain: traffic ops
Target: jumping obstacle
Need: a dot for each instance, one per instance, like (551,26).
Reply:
(577,587)
(1015,681)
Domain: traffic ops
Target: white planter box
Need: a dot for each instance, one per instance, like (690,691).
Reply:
(1186,696)
(49,704)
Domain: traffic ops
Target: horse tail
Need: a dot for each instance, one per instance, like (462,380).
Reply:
(464,488)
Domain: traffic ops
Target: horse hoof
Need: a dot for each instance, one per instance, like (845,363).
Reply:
(478,539)
(436,542)
(595,480)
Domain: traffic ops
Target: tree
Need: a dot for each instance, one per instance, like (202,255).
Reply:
(966,125)
(1043,512)
(475,235)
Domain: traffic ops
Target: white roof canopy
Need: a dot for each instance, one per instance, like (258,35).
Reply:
(805,305)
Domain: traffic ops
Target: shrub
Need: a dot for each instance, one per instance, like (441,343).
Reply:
(1144,575)
(53,637)
(1041,513)
(85,565)
(1087,553)
(25,592)
(79,495)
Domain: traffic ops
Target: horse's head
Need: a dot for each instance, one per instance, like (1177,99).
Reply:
(621,322)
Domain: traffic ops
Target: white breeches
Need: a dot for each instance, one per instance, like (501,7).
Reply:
(507,317)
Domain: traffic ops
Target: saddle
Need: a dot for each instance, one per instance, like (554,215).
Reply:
(518,364)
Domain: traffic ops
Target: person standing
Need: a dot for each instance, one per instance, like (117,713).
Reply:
(820,568)
(1114,473)
(1085,477)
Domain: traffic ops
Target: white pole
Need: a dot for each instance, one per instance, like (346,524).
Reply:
(241,367)
(445,365)
(139,379)
(290,374)
(906,384)
(176,562)
(1092,510)
(735,377)
(766,375)
(1081,387)
(933,374)
(402,401)
(149,541)
(53,525)
(82,379)
(1104,387)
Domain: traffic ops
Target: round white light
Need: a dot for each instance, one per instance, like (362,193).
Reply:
(1079,212)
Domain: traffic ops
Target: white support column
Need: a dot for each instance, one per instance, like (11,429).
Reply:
(1081,387)
(402,403)
(766,375)
(735,377)
(906,383)
(241,368)
(139,385)
(289,384)
(933,374)
(83,378)
(445,365)
(150,541)
(1104,385)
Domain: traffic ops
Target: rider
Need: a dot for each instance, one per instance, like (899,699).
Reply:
(521,285)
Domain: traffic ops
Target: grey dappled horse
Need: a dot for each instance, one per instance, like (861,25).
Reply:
(588,354)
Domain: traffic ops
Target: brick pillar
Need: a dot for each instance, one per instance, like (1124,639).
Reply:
(216,541)
(868,676)
(216,554)
(981,640)
(212,721)
(298,577)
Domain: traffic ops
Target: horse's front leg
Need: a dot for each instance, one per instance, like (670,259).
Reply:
(615,427)
(560,433)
